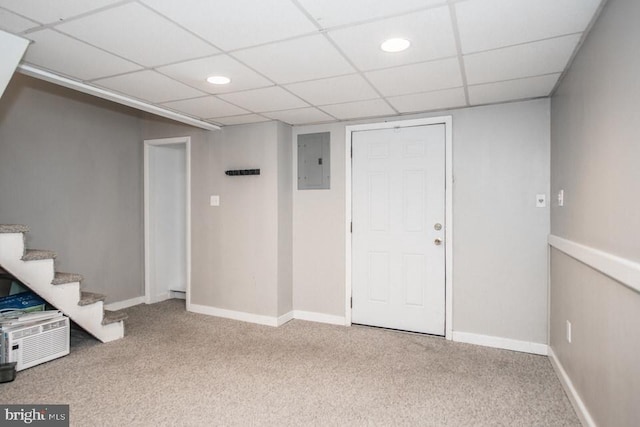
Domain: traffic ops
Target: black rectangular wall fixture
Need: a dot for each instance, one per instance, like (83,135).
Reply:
(238,172)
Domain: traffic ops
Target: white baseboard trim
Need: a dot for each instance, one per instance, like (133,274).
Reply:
(285,318)
(570,390)
(319,317)
(114,306)
(621,269)
(235,315)
(268,320)
(503,343)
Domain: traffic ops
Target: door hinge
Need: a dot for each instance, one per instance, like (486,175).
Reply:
(351,227)
(351,302)
(352,151)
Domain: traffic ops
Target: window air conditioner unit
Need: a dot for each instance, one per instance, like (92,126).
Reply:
(35,343)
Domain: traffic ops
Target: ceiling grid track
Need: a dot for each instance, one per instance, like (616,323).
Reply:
(456,34)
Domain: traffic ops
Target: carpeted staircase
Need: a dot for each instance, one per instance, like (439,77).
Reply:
(36,269)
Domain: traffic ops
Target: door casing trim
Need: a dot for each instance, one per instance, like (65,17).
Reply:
(148,143)
(448,123)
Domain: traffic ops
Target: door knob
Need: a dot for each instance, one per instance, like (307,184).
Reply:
(437,242)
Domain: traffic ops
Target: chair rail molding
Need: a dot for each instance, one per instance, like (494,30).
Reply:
(621,269)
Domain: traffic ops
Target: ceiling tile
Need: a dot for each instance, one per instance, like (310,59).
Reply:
(489,24)
(282,66)
(329,13)
(437,100)
(51,11)
(138,34)
(334,90)
(208,106)
(424,77)
(306,58)
(267,99)
(14,23)
(526,60)
(360,109)
(430,33)
(238,23)
(195,73)
(239,120)
(301,116)
(150,86)
(511,90)
(65,55)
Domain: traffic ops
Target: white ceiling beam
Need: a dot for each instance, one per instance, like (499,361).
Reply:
(38,73)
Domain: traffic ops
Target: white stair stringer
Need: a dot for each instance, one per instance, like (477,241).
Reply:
(12,48)
(38,275)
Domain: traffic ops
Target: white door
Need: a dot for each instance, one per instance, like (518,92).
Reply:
(398,248)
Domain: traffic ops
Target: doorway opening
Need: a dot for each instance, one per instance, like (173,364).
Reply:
(167,219)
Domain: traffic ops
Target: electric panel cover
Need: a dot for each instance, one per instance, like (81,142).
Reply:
(314,168)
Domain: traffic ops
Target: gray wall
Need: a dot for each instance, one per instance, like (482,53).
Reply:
(70,168)
(247,240)
(241,250)
(595,153)
(501,161)
(318,232)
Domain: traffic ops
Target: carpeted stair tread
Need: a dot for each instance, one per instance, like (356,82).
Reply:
(13,228)
(61,278)
(87,298)
(38,254)
(113,316)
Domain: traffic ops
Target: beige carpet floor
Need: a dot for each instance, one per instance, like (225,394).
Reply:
(176,368)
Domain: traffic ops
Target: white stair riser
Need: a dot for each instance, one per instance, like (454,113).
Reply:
(11,246)
(38,275)
(35,274)
(112,332)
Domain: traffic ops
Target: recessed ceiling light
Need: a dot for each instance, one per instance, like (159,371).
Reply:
(218,80)
(395,45)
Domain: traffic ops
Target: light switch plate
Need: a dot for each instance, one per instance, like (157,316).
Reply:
(561,198)
(214,200)
(541,200)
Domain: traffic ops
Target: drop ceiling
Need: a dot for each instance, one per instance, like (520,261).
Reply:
(304,61)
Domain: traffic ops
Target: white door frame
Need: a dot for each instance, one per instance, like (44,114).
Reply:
(448,122)
(148,143)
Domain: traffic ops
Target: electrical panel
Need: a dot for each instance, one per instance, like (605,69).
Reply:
(314,161)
